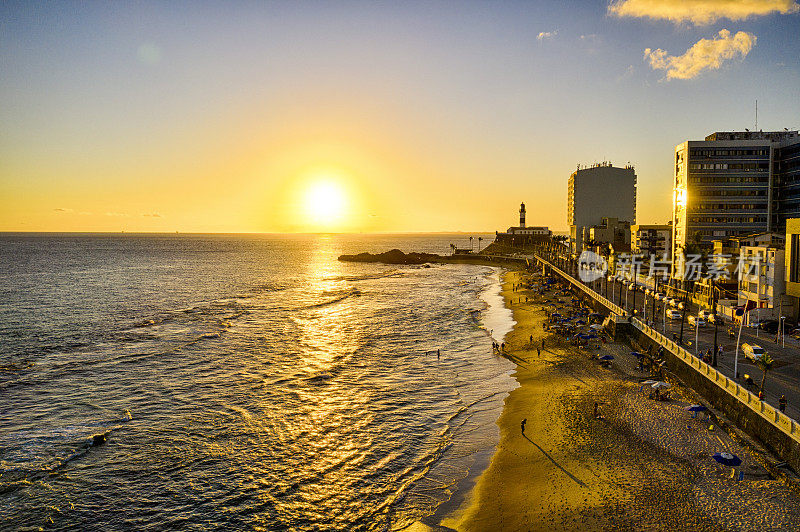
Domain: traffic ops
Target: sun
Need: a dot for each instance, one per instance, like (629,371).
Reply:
(325,202)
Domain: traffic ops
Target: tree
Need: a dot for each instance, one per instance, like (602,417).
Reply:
(470,243)
(480,239)
(764,363)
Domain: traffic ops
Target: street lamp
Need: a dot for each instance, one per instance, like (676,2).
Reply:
(782,330)
(714,298)
(740,313)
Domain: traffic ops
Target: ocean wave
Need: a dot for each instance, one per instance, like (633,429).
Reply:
(365,277)
(341,297)
(26,451)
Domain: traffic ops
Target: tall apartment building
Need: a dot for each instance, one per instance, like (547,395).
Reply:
(735,183)
(596,192)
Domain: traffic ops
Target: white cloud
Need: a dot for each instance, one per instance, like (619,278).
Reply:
(546,35)
(701,12)
(705,54)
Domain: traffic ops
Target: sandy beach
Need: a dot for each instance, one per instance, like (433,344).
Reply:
(642,465)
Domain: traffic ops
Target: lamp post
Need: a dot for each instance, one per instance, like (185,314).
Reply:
(740,313)
(714,297)
(682,305)
(782,331)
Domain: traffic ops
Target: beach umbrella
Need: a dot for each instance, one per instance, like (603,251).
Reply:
(646,383)
(606,357)
(695,408)
(596,326)
(727,459)
(660,385)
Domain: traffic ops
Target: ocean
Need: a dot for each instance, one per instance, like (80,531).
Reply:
(242,382)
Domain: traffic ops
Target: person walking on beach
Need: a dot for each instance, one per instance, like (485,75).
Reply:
(530,340)
(596,410)
(538,352)
(782,403)
(438,355)
(522,425)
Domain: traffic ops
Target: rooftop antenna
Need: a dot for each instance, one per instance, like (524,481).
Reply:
(756,128)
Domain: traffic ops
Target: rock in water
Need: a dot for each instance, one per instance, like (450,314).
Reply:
(394,256)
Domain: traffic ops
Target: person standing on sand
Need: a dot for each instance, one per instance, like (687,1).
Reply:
(538,352)
(438,355)
(782,403)
(522,425)
(596,410)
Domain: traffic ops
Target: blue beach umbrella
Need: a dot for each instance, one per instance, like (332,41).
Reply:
(606,357)
(727,459)
(695,408)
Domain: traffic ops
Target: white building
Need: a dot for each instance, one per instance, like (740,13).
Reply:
(761,280)
(596,192)
(652,239)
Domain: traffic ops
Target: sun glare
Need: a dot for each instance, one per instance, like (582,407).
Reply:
(325,202)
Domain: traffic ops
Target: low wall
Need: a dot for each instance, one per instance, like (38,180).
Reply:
(775,430)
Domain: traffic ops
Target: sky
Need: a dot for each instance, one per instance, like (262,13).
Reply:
(304,116)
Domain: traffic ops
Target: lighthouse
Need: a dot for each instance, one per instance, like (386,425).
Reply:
(522,215)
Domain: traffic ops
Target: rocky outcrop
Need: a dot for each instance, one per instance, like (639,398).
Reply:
(394,256)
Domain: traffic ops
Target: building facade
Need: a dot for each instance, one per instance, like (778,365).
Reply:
(610,231)
(596,192)
(652,239)
(761,281)
(734,183)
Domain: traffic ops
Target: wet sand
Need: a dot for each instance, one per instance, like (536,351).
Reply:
(644,465)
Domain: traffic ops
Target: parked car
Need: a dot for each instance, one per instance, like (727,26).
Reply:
(771,326)
(674,314)
(752,351)
(698,321)
(705,314)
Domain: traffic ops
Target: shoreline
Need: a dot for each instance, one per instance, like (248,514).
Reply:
(644,465)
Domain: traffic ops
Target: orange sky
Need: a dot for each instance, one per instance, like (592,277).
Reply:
(428,118)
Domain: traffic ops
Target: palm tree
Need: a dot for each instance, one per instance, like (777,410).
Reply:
(452,249)
(764,363)
(470,243)
(480,238)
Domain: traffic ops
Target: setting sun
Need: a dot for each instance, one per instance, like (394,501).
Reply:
(325,202)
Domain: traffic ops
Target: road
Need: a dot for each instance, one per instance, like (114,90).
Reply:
(784,378)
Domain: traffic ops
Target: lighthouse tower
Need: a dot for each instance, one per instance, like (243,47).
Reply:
(522,215)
